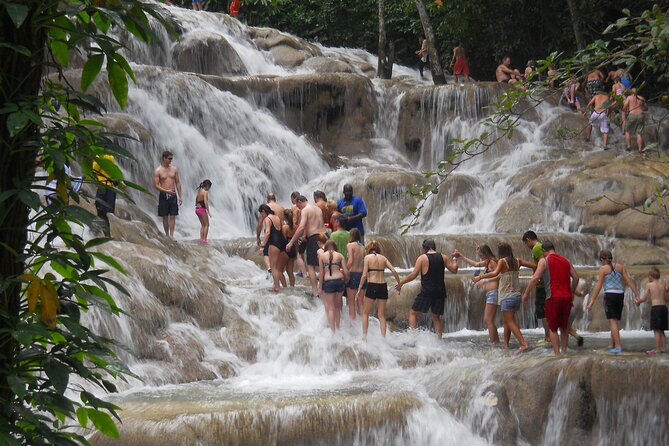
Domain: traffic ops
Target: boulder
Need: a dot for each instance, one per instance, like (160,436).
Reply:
(207,54)
(327,65)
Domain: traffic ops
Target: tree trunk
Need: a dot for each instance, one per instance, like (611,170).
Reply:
(382,69)
(437,72)
(578,34)
(21,76)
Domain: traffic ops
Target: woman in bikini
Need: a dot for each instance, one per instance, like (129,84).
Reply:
(374,266)
(332,276)
(356,260)
(509,290)
(202,209)
(488,262)
(276,241)
(611,276)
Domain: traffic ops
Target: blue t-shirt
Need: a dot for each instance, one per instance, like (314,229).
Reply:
(350,208)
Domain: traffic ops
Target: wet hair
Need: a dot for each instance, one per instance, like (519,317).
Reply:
(354,235)
(428,244)
(486,252)
(373,247)
(320,194)
(529,235)
(331,247)
(322,237)
(532,63)
(167,154)
(205,183)
(331,205)
(271,197)
(547,245)
(654,272)
(456,43)
(266,209)
(606,255)
(288,215)
(506,57)
(294,195)
(301,198)
(504,251)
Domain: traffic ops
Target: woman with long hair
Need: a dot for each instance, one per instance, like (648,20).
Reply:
(488,262)
(509,290)
(276,241)
(288,232)
(355,263)
(202,209)
(373,270)
(611,276)
(332,280)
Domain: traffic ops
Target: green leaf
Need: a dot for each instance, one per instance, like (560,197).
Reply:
(91,70)
(17,385)
(30,198)
(102,22)
(17,122)
(18,48)
(103,422)
(59,375)
(109,261)
(82,416)
(118,83)
(17,13)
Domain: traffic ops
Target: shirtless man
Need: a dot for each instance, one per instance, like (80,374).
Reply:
(422,54)
(311,224)
(601,104)
(321,201)
(300,246)
(166,181)
(505,74)
(594,83)
(459,62)
(278,210)
(634,106)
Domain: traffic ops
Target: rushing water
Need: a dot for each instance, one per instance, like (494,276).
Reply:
(223,361)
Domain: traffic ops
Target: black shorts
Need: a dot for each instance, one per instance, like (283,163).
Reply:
(167,204)
(432,302)
(613,305)
(105,200)
(301,246)
(540,303)
(658,318)
(377,291)
(333,286)
(292,252)
(312,250)
(354,281)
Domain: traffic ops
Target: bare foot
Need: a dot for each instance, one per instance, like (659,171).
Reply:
(523,348)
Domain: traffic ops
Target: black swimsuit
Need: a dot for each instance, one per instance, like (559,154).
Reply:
(276,237)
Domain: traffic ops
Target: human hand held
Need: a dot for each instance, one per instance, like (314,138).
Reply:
(525,297)
(398,287)
(180,201)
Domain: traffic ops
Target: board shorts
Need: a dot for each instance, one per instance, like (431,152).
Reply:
(557,313)
(635,124)
(613,305)
(354,281)
(461,67)
(491,297)
(593,86)
(167,204)
(658,318)
(540,303)
(429,302)
(333,286)
(377,291)
(601,119)
(312,250)
(511,303)
(105,200)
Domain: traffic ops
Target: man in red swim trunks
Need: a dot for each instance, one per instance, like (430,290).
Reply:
(459,62)
(560,279)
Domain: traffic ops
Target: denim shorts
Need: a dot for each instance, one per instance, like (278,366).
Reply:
(491,297)
(511,303)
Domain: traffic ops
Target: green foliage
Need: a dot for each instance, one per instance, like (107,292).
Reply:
(49,274)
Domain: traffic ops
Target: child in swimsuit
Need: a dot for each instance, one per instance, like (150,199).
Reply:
(202,209)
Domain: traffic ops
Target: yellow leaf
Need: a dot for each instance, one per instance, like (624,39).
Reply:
(49,303)
(33,293)
(61,192)
(28,277)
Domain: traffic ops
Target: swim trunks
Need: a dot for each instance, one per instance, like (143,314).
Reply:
(354,280)
(461,67)
(540,303)
(312,250)
(601,119)
(613,305)
(635,123)
(167,204)
(593,86)
(557,313)
(658,318)
(377,291)
(429,302)
(511,303)
(333,286)
(491,297)
(105,200)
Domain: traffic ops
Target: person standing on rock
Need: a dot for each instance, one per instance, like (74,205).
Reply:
(600,105)
(278,210)
(422,54)
(459,63)
(659,320)
(105,196)
(167,183)
(531,241)
(560,279)
(311,224)
(355,261)
(432,297)
(634,106)
(611,276)
(353,210)
(202,209)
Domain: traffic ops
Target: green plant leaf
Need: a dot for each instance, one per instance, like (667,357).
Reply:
(103,422)
(82,416)
(17,13)
(118,83)
(91,70)
(59,375)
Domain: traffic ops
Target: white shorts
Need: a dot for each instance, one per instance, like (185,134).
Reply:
(602,119)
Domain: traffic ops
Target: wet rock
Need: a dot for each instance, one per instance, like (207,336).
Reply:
(207,54)
(327,65)
(519,213)
(288,51)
